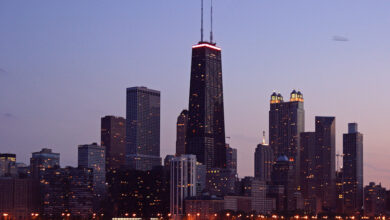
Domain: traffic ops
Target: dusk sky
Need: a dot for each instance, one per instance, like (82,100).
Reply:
(65,64)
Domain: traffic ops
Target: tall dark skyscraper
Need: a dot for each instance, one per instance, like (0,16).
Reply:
(264,158)
(286,123)
(143,128)
(206,125)
(308,166)
(113,133)
(325,173)
(353,169)
(181,132)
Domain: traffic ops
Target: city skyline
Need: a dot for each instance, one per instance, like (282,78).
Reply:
(245,132)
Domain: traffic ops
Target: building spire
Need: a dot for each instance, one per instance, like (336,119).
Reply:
(263,142)
(211,19)
(201,22)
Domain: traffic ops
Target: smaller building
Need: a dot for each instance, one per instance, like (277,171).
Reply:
(204,208)
(42,160)
(8,165)
(93,156)
(221,181)
(238,203)
(183,183)
(374,200)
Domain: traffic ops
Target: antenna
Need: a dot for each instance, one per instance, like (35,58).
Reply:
(211,18)
(201,22)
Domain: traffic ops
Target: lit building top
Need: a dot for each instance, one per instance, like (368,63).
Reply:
(276,98)
(296,96)
(206,44)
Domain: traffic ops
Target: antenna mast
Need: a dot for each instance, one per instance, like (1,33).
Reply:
(201,22)
(211,18)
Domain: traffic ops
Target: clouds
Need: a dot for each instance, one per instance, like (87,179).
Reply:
(8,115)
(340,38)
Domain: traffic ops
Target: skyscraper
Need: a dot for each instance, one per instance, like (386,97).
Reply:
(264,159)
(325,131)
(113,133)
(353,169)
(206,125)
(143,128)
(231,158)
(286,123)
(93,156)
(181,132)
(42,160)
(308,167)
(183,183)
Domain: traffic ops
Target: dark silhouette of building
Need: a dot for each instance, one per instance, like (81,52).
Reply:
(143,193)
(264,159)
(113,134)
(93,156)
(181,132)
(374,200)
(19,198)
(283,177)
(68,192)
(206,125)
(231,158)
(325,155)
(286,123)
(42,160)
(308,167)
(143,128)
(353,169)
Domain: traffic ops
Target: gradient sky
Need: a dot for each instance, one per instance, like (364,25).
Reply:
(65,64)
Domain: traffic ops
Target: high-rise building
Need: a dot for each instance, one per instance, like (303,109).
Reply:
(93,156)
(181,132)
(8,165)
(42,160)
(264,159)
(286,123)
(142,128)
(374,200)
(113,135)
(183,183)
(206,125)
(325,155)
(353,169)
(308,167)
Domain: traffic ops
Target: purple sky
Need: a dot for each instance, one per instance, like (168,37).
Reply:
(65,64)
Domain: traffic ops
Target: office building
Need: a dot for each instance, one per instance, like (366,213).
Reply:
(42,160)
(264,158)
(206,125)
(183,183)
(19,197)
(325,172)
(181,132)
(374,200)
(353,169)
(283,177)
(142,128)
(68,192)
(113,139)
(8,165)
(143,193)
(93,156)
